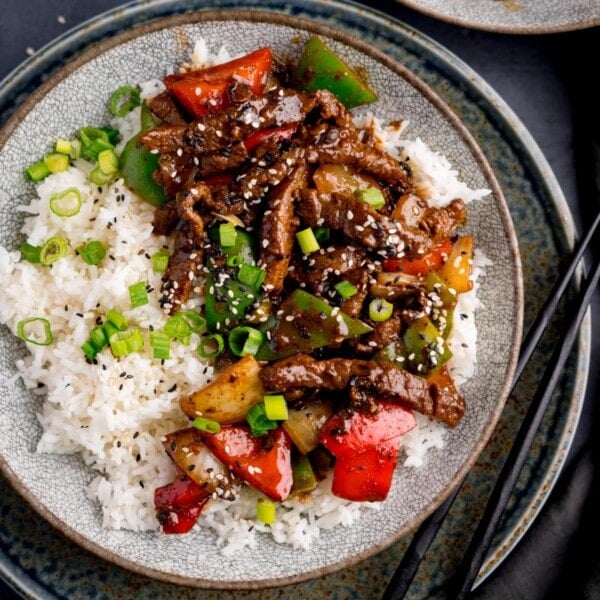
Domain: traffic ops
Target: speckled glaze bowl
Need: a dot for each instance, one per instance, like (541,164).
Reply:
(55,485)
(513,16)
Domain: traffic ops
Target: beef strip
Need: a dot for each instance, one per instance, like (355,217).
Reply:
(277,231)
(361,223)
(313,270)
(165,218)
(164,107)
(365,380)
(440,223)
(360,279)
(383,334)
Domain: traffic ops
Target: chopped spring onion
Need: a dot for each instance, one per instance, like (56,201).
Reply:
(35,330)
(380,310)
(138,295)
(265,511)
(126,342)
(56,162)
(75,151)
(322,234)
(124,100)
(37,171)
(195,321)
(307,241)
(89,350)
(66,203)
(108,162)
(92,253)
(211,345)
(30,252)
(161,344)
(110,329)
(227,235)
(88,134)
(63,147)
(95,148)
(178,328)
(234,261)
(117,319)
(371,196)
(245,340)
(53,249)
(98,338)
(251,276)
(100,178)
(111,134)
(275,407)
(206,425)
(258,421)
(345,289)
(160,261)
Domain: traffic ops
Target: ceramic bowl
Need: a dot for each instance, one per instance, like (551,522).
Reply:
(56,485)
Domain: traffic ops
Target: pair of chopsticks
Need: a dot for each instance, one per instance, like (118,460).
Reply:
(461,582)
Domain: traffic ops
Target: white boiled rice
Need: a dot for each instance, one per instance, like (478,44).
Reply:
(115,413)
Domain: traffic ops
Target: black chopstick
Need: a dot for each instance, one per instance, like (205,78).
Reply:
(409,565)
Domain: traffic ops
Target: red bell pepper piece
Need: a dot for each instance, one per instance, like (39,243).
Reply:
(265,463)
(420,266)
(362,431)
(366,450)
(179,504)
(204,91)
(367,476)
(277,133)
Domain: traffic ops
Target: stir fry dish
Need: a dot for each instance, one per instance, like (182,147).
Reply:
(328,282)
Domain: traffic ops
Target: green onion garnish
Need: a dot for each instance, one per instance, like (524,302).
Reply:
(100,178)
(88,134)
(234,261)
(56,162)
(92,253)
(124,100)
(37,171)
(66,203)
(110,329)
(258,421)
(251,276)
(161,344)
(98,338)
(265,511)
(54,248)
(75,151)
(111,134)
(322,234)
(95,148)
(371,196)
(89,350)
(117,319)
(227,235)
(108,162)
(275,407)
(195,321)
(245,340)
(138,295)
(345,289)
(30,253)
(307,241)
(206,425)
(380,310)
(35,330)
(63,147)
(160,261)
(126,342)
(211,346)
(178,328)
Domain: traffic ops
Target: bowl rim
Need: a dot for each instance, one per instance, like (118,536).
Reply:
(265,16)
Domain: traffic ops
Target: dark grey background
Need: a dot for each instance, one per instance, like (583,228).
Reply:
(548,81)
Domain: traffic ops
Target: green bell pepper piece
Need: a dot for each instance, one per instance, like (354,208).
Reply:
(426,349)
(303,475)
(320,68)
(305,322)
(228,302)
(137,165)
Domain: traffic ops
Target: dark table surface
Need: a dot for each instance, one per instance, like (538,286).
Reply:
(546,81)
